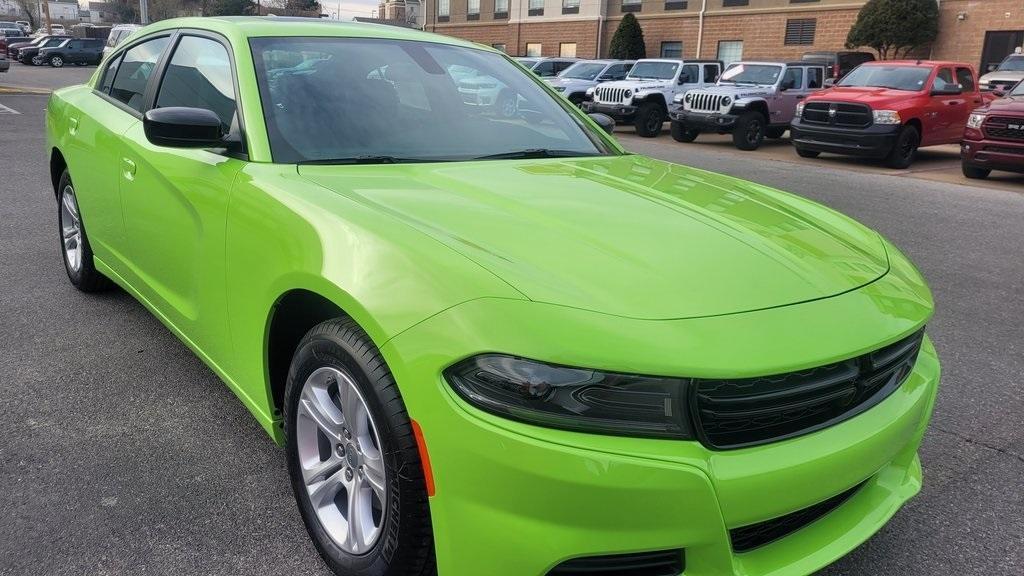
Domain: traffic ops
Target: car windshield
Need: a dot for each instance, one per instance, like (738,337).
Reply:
(528,62)
(751,74)
(583,70)
(1018,90)
(359,100)
(1012,64)
(909,78)
(654,70)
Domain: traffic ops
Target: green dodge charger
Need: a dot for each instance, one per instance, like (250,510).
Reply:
(494,345)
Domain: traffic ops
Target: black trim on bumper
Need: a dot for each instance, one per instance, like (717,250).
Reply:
(619,112)
(709,122)
(875,141)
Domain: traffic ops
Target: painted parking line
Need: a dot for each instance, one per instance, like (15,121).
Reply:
(6,110)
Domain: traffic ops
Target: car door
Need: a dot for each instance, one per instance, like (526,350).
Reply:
(792,90)
(176,199)
(971,101)
(95,124)
(689,79)
(939,112)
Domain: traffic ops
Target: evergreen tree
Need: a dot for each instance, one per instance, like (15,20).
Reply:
(895,27)
(628,41)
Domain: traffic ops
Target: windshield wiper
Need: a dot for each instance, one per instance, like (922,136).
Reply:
(534,153)
(365,160)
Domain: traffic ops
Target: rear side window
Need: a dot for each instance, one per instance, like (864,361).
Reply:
(108,75)
(133,74)
(943,80)
(815,77)
(710,73)
(965,78)
(199,76)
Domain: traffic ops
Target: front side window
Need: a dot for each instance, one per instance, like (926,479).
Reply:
(133,74)
(340,98)
(584,70)
(690,74)
(199,76)
(909,78)
(654,70)
(943,80)
(793,79)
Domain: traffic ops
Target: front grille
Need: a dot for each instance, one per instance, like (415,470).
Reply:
(750,411)
(608,95)
(704,102)
(839,114)
(665,563)
(747,538)
(1004,128)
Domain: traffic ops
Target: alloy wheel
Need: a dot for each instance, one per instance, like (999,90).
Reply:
(754,132)
(56,62)
(71,229)
(341,461)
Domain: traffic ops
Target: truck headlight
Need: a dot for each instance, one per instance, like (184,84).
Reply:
(578,399)
(629,93)
(975,120)
(590,91)
(799,109)
(887,117)
(726,101)
(678,98)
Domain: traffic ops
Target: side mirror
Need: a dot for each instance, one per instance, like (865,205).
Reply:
(949,90)
(604,121)
(179,127)
(830,82)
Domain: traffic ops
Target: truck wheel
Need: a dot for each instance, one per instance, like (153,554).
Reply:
(975,173)
(803,153)
(905,149)
(775,132)
(683,134)
(649,119)
(749,131)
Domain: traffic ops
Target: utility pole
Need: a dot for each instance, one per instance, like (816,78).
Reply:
(144,12)
(46,10)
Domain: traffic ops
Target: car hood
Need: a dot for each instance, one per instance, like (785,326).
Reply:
(1005,105)
(738,92)
(863,95)
(624,235)
(636,84)
(1002,76)
(571,83)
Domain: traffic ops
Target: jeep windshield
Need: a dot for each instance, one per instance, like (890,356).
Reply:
(908,78)
(583,71)
(1012,64)
(364,101)
(758,74)
(653,71)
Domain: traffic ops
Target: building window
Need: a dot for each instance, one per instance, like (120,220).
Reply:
(676,5)
(671,49)
(536,8)
(500,9)
(730,51)
(533,49)
(800,31)
(632,5)
(473,10)
(444,8)
(570,6)
(567,49)
(500,46)
(731,3)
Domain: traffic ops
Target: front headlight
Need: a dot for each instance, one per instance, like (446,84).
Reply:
(800,110)
(975,120)
(678,98)
(591,90)
(629,93)
(887,117)
(574,398)
(689,97)
(726,101)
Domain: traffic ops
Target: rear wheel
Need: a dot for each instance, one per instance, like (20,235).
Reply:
(649,119)
(804,153)
(75,247)
(353,457)
(683,134)
(975,173)
(904,151)
(749,131)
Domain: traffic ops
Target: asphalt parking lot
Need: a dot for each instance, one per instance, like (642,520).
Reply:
(123,453)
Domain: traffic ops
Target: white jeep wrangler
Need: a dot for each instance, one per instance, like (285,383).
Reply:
(644,96)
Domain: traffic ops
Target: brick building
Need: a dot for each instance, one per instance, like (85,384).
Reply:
(970,30)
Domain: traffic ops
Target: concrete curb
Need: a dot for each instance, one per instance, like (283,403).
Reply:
(23,90)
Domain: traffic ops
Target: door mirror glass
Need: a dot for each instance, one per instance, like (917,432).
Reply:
(180,127)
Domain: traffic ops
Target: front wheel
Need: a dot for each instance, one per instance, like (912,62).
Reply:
(749,131)
(353,458)
(649,119)
(56,61)
(975,173)
(904,151)
(680,133)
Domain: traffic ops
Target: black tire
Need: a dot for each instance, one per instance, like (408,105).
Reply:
(749,131)
(775,132)
(904,151)
(507,105)
(86,278)
(804,153)
(56,61)
(680,133)
(405,546)
(975,173)
(649,119)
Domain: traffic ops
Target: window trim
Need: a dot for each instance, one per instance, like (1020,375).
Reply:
(116,56)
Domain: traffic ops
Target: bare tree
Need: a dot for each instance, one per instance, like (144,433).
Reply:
(28,6)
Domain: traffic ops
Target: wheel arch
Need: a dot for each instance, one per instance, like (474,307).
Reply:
(759,106)
(916,123)
(57,166)
(654,98)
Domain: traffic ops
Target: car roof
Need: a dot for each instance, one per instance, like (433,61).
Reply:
(782,63)
(916,63)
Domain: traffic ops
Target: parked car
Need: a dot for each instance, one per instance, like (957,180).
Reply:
(79,51)
(5,64)
(651,85)
(1007,75)
(547,67)
(28,54)
(994,136)
(25,26)
(752,100)
(484,91)
(118,33)
(5,25)
(839,64)
(575,80)
(489,347)
(6,41)
(887,110)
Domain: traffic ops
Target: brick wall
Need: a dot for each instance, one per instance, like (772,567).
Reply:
(551,34)
(964,39)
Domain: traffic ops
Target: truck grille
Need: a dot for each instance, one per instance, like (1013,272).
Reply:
(704,102)
(747,412)
(607,95)
(1003,128)
(837,114)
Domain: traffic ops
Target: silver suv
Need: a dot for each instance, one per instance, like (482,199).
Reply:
(575,80)
(751,100)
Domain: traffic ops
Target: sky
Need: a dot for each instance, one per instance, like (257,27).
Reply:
(349,8)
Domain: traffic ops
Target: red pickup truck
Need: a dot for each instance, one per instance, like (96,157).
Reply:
(889,109)
(994,137)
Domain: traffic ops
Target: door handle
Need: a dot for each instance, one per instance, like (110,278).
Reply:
(72,126)
(128,168)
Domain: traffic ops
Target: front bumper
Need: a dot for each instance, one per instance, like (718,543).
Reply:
(707,122)
(1004,155)
(875,141)
(623,113)
(516,500)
